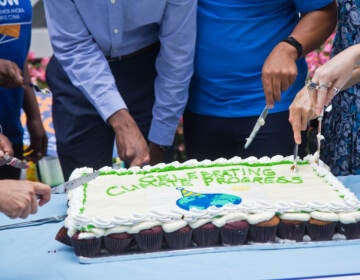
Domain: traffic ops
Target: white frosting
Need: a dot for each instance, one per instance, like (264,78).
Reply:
(159,195)
(349,217)
(260,217)
(174,225)
(199,223)
(324,216)
(303,217)
(228,218)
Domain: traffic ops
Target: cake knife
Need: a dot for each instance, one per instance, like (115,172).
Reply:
(54,219)
(72,184)
(15,162)
(259,123)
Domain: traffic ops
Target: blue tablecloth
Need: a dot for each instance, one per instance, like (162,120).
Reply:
(33,253)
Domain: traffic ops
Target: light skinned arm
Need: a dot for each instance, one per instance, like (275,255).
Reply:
(38,137)
(341,72)
(280,70)
(19,198)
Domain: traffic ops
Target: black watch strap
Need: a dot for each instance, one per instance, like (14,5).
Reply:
(295,43)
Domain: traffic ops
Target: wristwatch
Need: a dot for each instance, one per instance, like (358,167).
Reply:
(295,43)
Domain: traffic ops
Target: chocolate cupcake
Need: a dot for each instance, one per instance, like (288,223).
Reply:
(148,236)
(62,236)
(233,228)
(117,240)
(263,227)
(321,225)
(205,233)
(349,224)
(85,244)
(177,234)
(292,226)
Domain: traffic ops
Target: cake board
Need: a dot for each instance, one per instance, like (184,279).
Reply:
(217,249)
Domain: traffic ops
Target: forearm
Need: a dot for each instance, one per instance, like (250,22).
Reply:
(315,27)
(355,75)
(30,105)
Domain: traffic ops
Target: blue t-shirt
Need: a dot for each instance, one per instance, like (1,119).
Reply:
(15,36)
(234,38)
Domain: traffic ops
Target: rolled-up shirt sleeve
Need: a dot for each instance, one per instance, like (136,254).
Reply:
(174,67)
(81,58)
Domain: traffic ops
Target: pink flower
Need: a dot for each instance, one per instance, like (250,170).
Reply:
(31,56)
(44,61)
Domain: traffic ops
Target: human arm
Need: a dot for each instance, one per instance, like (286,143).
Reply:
(301,110)
(10,74)
(131,145)
(279,70)
(38,138)
(174,67)
(339,72)
(19,198)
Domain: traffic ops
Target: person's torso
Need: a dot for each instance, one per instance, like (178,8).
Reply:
(15,36)
(234,38)
(120,27)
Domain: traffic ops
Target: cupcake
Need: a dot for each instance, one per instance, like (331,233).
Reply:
(263,227)
(177,234)
(205,233)
(117,240)
(148,236)
(292,226)
(62,236)
(321,225)
(233,228)
(349,224)
(85,244)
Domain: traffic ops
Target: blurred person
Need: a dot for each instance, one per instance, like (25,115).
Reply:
(341,126)
(15,90)
(246,49)
(120,70)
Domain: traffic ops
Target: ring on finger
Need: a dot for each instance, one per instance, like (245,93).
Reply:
(336,90)
(312,85)
(325,86)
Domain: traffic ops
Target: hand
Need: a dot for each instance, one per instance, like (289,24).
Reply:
(5,148)
(156,154)
(19,198)
(10,74)
(334,75)
(301,110)
(279,72)
(130,143)
(38,141)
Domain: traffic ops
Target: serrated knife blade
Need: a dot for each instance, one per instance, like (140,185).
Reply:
(72,184)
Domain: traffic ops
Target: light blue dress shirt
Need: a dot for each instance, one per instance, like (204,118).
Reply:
(83,33)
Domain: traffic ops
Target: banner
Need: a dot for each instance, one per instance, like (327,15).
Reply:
(44,101)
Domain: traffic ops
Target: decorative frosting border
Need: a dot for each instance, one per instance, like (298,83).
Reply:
(254,213)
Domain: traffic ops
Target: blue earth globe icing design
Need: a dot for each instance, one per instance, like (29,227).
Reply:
(202,201)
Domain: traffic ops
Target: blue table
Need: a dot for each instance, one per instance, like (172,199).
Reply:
(33,253)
